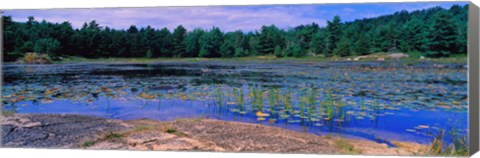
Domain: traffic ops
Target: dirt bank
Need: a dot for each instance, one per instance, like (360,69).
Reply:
(77,131)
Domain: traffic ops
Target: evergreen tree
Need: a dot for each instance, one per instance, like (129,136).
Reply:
(253,45)
(132,41)
(362,46)
(278,51)
(318,43)
(192,42)
(47,45)
(343,48)
(334,34)
(443,35)
(437,32)
(210,43)
(165,43)
(179,35)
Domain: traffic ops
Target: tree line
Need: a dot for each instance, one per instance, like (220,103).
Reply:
(434,32)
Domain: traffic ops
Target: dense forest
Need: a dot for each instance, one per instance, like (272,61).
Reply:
(434,32)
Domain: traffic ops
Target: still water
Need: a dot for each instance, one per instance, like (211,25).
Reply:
(379,101)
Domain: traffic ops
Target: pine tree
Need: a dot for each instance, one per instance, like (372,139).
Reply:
(179,35)
(362,46)
(334,34)
(443,35)
(343,48)
(192,42)
(318,43)
(278,51)
(210,43)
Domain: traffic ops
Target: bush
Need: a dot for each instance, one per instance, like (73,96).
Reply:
(295,51)
(278,52)
(415,54)
(437,54)
(35,58)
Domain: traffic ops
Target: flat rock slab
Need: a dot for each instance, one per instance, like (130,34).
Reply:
(246,137)
(54,130)
(88,132)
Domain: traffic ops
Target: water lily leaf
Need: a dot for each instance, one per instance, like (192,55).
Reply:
(260,114)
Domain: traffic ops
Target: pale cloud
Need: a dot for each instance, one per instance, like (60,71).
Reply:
(228,18)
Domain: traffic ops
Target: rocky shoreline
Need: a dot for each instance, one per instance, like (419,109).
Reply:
(89,132)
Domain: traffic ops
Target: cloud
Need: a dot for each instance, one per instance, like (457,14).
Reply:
(228,18)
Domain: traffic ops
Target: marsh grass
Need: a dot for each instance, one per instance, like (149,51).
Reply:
(287,102)
(346,147)
(272,99)
(458,147)
(7,113)
(113,136)
(88,144)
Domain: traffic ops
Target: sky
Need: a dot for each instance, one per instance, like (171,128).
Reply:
(227,18)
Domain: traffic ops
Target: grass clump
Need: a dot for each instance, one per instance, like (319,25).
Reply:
(88,144)
(113,136)
(176,132)
(345,146)
(7,113)
(458,147)
(143,128)
(171,131)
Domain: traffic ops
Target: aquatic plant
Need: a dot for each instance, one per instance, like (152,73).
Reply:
(287,101)
(271,99)
(257,98)
(458,147)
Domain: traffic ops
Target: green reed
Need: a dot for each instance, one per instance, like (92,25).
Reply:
(287,103)
(271,99)
(257,98)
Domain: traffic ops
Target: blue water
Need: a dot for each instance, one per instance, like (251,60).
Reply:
(395,100)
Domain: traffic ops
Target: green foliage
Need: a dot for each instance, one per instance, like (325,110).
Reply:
(318,43)
(240,52)
(149,54)
(334,33)
(362,46)
(253,45)
(210,43)
(113,136)
(436,31)
(46,45)
(294,50)
(269,38)
(444,34)
(88,144)
(192,42)
(415,54)
(178,43)
(278,51)
(171,131)
(343,48)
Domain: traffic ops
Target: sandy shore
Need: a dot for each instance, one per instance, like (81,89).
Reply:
(88,132)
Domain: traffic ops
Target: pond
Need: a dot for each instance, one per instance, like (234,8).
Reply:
(379,101)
